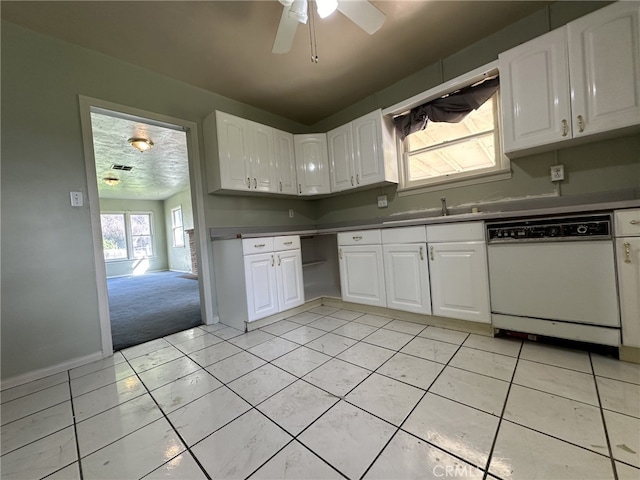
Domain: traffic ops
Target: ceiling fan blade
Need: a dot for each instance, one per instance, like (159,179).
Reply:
(286,32)
(363,14)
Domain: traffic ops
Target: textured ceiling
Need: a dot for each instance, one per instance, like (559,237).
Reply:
(225,46)
(157,173)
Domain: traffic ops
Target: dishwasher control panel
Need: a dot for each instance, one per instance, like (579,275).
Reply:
(589,227)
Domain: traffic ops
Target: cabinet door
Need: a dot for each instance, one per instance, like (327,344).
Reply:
(628,259)
(604,56)
(367,149)
(233,145)
(285,163)
(312,162)
(406,272)
(260,277)
(460,281)
(534,91)
(362,274)
(289,279)
(340,145)
(262,158)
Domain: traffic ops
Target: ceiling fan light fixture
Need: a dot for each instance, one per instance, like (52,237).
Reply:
(111,181)
(298,10)
(326,7)
(140,144)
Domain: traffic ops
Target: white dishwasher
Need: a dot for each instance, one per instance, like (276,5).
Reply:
(556,277)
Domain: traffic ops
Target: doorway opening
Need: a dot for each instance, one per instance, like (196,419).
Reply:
(147,226)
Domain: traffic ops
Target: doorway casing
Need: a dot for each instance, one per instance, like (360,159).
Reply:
(197,200)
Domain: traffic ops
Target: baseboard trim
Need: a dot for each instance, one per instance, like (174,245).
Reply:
(52,370)
(629,354)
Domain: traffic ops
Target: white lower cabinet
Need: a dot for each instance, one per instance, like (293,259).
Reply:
(257,277)
(627,224)
(362,268)
(261,288)
(406,269)
(459,272)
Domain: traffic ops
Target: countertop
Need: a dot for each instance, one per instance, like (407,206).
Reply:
(494,214)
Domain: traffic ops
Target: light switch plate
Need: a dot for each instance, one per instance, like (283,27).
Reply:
(76,199)
(382,201)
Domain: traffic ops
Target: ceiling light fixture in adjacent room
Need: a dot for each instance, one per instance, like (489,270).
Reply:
(111,181)
(140,144)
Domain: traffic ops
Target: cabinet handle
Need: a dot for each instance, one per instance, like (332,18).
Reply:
(281,185)
(627,252)
(352,180)
(634,222)
(431,251)
(300,188)
(357,238)
(580,124)
(272,261)
(340,253)
(421,254)
(248,182)
(255,182)
(358,178)
(288,243)
(259,245)
(278,260)
(565,128)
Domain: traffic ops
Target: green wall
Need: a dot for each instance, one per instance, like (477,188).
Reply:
(49,292)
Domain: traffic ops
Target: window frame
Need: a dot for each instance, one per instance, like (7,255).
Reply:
(129,237)
(175,227)
(502,171)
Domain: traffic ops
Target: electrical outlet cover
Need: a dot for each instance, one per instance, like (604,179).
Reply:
(382,201)
(557,173)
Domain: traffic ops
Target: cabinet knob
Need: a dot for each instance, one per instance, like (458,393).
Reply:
(634,222)
(627,252)
(565,127)
(580,124)
(357,238)
(431,252)
(340,253)
(421,254)
(358,178)
(255,182)
(259,245)
(352,184)
(272,261)
(300,188)
(248,182)
(280,185)
(278,260)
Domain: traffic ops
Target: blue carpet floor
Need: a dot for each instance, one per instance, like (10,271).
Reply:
(150,306)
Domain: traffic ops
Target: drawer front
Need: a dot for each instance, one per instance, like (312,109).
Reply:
(288,242)
(627,222)
(404,235)
(459,232)
(257,245)
(361,237)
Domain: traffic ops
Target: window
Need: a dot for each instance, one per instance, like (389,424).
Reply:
(126,235)
(177,226)
(445,154)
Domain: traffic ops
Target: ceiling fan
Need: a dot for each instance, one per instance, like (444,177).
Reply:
(360,12)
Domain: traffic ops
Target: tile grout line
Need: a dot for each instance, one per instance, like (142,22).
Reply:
(75,427)
(604,423)
(501,417)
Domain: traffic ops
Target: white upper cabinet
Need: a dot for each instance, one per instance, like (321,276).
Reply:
(604,59)
(578,80)
(312,162)
(340,141)
(363,152)
(285,163)
(240,154)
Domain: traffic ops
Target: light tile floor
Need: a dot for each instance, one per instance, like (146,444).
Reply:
(329,394)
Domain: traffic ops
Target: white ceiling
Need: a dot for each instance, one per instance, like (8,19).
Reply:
(157,173)
(225,46)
